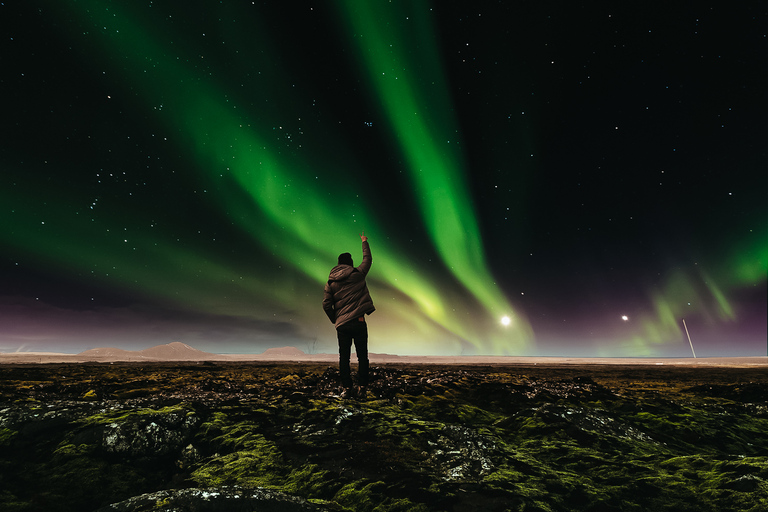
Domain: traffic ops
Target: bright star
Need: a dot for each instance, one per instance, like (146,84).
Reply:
(625,317)
(505,320)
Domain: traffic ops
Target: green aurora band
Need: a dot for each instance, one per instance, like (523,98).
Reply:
(289,213)
(403,68)
(266,185)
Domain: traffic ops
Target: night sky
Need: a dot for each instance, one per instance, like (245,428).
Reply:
(535,178)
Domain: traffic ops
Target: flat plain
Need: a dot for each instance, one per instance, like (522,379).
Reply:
(223,435)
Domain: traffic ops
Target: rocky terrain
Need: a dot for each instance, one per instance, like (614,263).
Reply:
(212,436)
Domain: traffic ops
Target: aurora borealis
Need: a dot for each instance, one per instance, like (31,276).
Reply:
(189,172)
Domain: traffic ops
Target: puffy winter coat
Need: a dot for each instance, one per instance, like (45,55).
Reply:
(346,296)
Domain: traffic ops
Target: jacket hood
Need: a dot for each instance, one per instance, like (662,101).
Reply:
(340,272)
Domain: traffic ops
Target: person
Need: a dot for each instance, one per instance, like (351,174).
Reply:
(346,301)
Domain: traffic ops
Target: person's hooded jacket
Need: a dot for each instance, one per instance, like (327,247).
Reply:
(346,296)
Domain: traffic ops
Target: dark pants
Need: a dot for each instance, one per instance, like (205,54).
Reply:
(355,331)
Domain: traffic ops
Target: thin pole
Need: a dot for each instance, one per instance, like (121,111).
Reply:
(689,338)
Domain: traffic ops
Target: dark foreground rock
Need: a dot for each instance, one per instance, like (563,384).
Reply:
(252,437)
(221,499)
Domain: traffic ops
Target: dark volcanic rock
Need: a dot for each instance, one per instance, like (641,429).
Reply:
(149,434)
(461,454)
(747,392)
(418,438)
(597,422)
(222,499)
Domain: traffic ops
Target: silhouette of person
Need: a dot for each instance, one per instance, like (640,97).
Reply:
(346,301)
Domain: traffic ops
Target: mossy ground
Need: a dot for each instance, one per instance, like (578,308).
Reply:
(597,438)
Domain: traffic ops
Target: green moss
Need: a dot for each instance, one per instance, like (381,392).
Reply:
(256,461)
(6,436)
(250,459)
(289,380)
(225,435)
(75,480)
(11,503)
(310,481)
(244,468)
(362,496)
(71,450)
(447,409)
(645,445)
(122,415)
(507,479)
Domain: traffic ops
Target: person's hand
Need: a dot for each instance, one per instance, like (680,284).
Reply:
(363,237)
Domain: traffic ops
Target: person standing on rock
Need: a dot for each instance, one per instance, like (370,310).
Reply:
(346,301)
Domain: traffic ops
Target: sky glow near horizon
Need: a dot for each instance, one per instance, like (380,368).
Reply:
(268,186)
(283,207)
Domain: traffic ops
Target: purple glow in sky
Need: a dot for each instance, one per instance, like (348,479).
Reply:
(534,179)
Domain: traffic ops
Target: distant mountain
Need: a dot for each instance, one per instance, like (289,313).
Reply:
(175,351)
(110,353)
(284,352)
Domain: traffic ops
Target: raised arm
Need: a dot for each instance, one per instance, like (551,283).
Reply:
(365,266)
